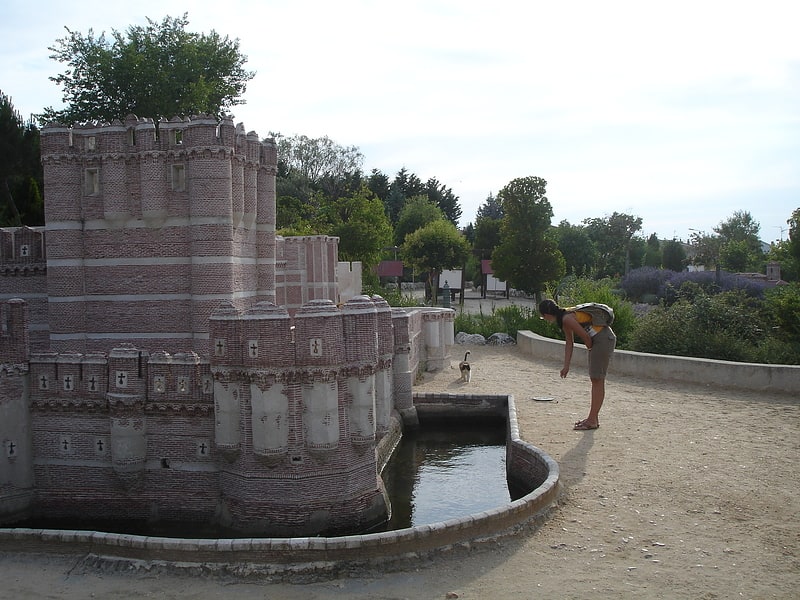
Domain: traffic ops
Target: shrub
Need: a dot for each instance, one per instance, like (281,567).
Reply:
(392,295)
(725,326)
(710,282)
(507,319)
(782,305)
(644,282)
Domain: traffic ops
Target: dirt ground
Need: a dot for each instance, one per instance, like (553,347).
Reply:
(683,492)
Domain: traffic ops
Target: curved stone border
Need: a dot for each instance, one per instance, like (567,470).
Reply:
(783,379)
(525,463)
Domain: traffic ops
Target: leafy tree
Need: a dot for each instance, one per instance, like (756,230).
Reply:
(316,159)
(408,184)
(781,252)
(578,250)
(794,235)
(612,237)
(490,209)
(740,226)
(705,249)
(362,227)
(20,169)
(487,236)
(436,246)
(735,256)
(443,197)
(404,186)
(158,70)
(740,246)
(394,203)
(417,212)
(469,233)
(674,256)
(378,183)
(527,257)
(652,253)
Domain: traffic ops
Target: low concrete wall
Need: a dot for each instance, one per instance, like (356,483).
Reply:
(304,556)
(784,379)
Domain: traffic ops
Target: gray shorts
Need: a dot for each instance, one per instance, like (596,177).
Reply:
(603,344)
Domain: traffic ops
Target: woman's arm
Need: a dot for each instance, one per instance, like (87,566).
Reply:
(570,326)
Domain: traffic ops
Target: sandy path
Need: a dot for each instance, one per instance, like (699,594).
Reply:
(683,492)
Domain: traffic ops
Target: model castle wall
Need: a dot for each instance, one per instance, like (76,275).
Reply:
(275,435)
(173,359)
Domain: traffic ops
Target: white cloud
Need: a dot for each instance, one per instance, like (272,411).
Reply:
(680,113)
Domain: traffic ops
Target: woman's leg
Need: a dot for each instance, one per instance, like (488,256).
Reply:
(598,395)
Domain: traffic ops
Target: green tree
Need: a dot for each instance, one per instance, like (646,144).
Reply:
(735,256)
(527,258)
(740,246)
(491,208)
(158,70)
(705,249)
(378,183)
(404,186)
(443,197)
(20,169)
(794,235)
(740,226)
(578,250)
(612,237)
(674,256)
(436,246)
(362,227)
(652,253)
(781,252)
(487,236)
(319,162)
(417,212)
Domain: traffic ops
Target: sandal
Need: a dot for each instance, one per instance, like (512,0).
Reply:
(584,426)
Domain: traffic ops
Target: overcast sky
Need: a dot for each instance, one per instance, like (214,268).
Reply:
(680,113)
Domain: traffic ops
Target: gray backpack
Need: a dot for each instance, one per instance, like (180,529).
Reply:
(602,314)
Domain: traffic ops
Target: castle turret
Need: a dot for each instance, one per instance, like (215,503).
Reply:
(270,359)
(319,353)
(360,324)
(151,227)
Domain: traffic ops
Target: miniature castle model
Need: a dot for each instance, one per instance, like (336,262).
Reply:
(165,356)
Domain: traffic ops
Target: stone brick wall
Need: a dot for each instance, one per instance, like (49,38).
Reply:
(149,229)
(23,275)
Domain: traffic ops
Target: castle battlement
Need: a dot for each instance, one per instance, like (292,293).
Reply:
(177,136)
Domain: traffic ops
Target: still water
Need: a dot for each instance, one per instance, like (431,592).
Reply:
(444,471)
